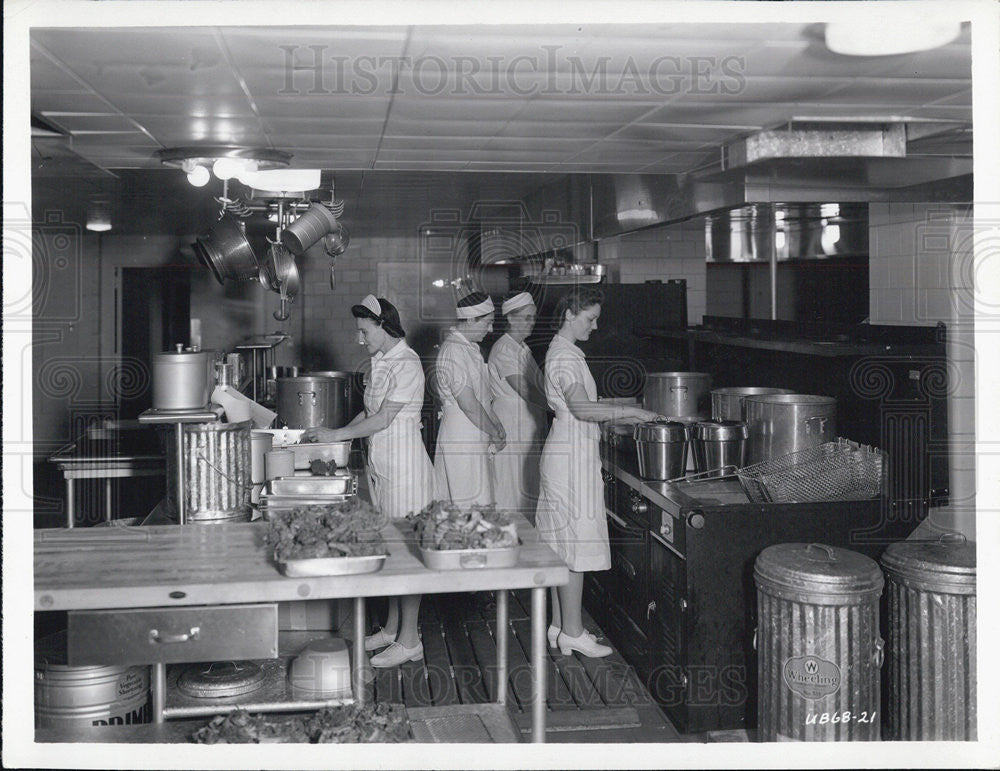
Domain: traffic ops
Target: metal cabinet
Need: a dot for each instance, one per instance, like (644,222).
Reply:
(667,610)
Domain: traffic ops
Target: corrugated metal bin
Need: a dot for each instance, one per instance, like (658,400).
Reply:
(931,596)
(818,647)
(217,473)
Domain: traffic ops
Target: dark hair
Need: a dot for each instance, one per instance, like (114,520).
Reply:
(389,320)
(576,301)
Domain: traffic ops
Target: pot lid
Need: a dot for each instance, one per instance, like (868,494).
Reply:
(660,431)
(225,678)
(817,568)
(749,391)
(946,564)
(703,375)
(788,398)
(719,430)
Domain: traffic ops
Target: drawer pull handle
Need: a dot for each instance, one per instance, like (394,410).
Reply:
(650,609)
(169,639)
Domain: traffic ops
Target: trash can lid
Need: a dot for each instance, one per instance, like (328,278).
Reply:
(946,564)
(815,572)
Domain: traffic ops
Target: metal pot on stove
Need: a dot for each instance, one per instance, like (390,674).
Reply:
(678,394)
(661,447)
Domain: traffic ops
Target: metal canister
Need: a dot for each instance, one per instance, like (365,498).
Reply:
(931,594)
(818,646)
(182,379)
(217,473)
(354,389)
(72,697)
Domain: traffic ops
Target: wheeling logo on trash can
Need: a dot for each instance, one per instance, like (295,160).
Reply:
(811,677)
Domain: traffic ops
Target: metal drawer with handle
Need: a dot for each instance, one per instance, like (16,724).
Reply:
(172,635)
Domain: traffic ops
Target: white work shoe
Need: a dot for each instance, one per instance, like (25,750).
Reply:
(378,640)
(586,644)
(397,654)
(553,635)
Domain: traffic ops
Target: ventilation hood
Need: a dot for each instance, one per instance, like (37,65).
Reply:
(806,162)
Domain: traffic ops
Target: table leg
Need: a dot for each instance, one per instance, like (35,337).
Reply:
(108,489)
(538,655)
(502,652)
(159,690)
(360,692)
(69,502)
(180,473)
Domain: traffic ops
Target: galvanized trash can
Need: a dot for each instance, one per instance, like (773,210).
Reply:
(931,594)
(818,647)
(74,697)
(217,473)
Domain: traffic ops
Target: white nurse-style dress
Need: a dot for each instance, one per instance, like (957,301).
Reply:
(398,465)
(570,515)
(461,460)
(515,467)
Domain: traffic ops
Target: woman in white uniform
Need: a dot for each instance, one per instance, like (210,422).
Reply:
(570,515)
(469,429)
(398,465)
(519,404)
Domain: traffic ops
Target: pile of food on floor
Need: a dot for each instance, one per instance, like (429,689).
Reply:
(349,724)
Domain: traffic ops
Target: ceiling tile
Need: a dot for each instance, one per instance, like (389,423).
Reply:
(887,91)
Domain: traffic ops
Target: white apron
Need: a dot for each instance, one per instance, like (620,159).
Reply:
(570,515)
(461,460)
(399,468)
(515,468)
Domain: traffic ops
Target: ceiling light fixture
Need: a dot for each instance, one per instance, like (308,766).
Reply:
(902,36)
(226,161)
(99,217)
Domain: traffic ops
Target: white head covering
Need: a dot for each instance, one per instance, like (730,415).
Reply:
(521,300)
(371,303)
(474,311)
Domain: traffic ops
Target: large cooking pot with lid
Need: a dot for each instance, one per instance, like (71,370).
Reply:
(311,400)
(727,403)
(661,447)
(355,388)
(779,424)
(183,379)
(678,394)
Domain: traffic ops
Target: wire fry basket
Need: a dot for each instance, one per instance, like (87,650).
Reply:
(834,471)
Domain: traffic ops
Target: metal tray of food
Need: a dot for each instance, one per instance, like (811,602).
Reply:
(308,486)
(306,452)
(332,566)
(274,503)
(470,559)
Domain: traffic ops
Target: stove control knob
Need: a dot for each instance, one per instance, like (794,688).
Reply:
(697,520)
(639,507)
(667,530)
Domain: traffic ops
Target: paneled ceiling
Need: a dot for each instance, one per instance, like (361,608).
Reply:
(395,102)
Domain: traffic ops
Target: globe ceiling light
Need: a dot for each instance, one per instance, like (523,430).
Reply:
(901,36)
(227,161)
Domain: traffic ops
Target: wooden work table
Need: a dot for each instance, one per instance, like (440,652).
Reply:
(162,567)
